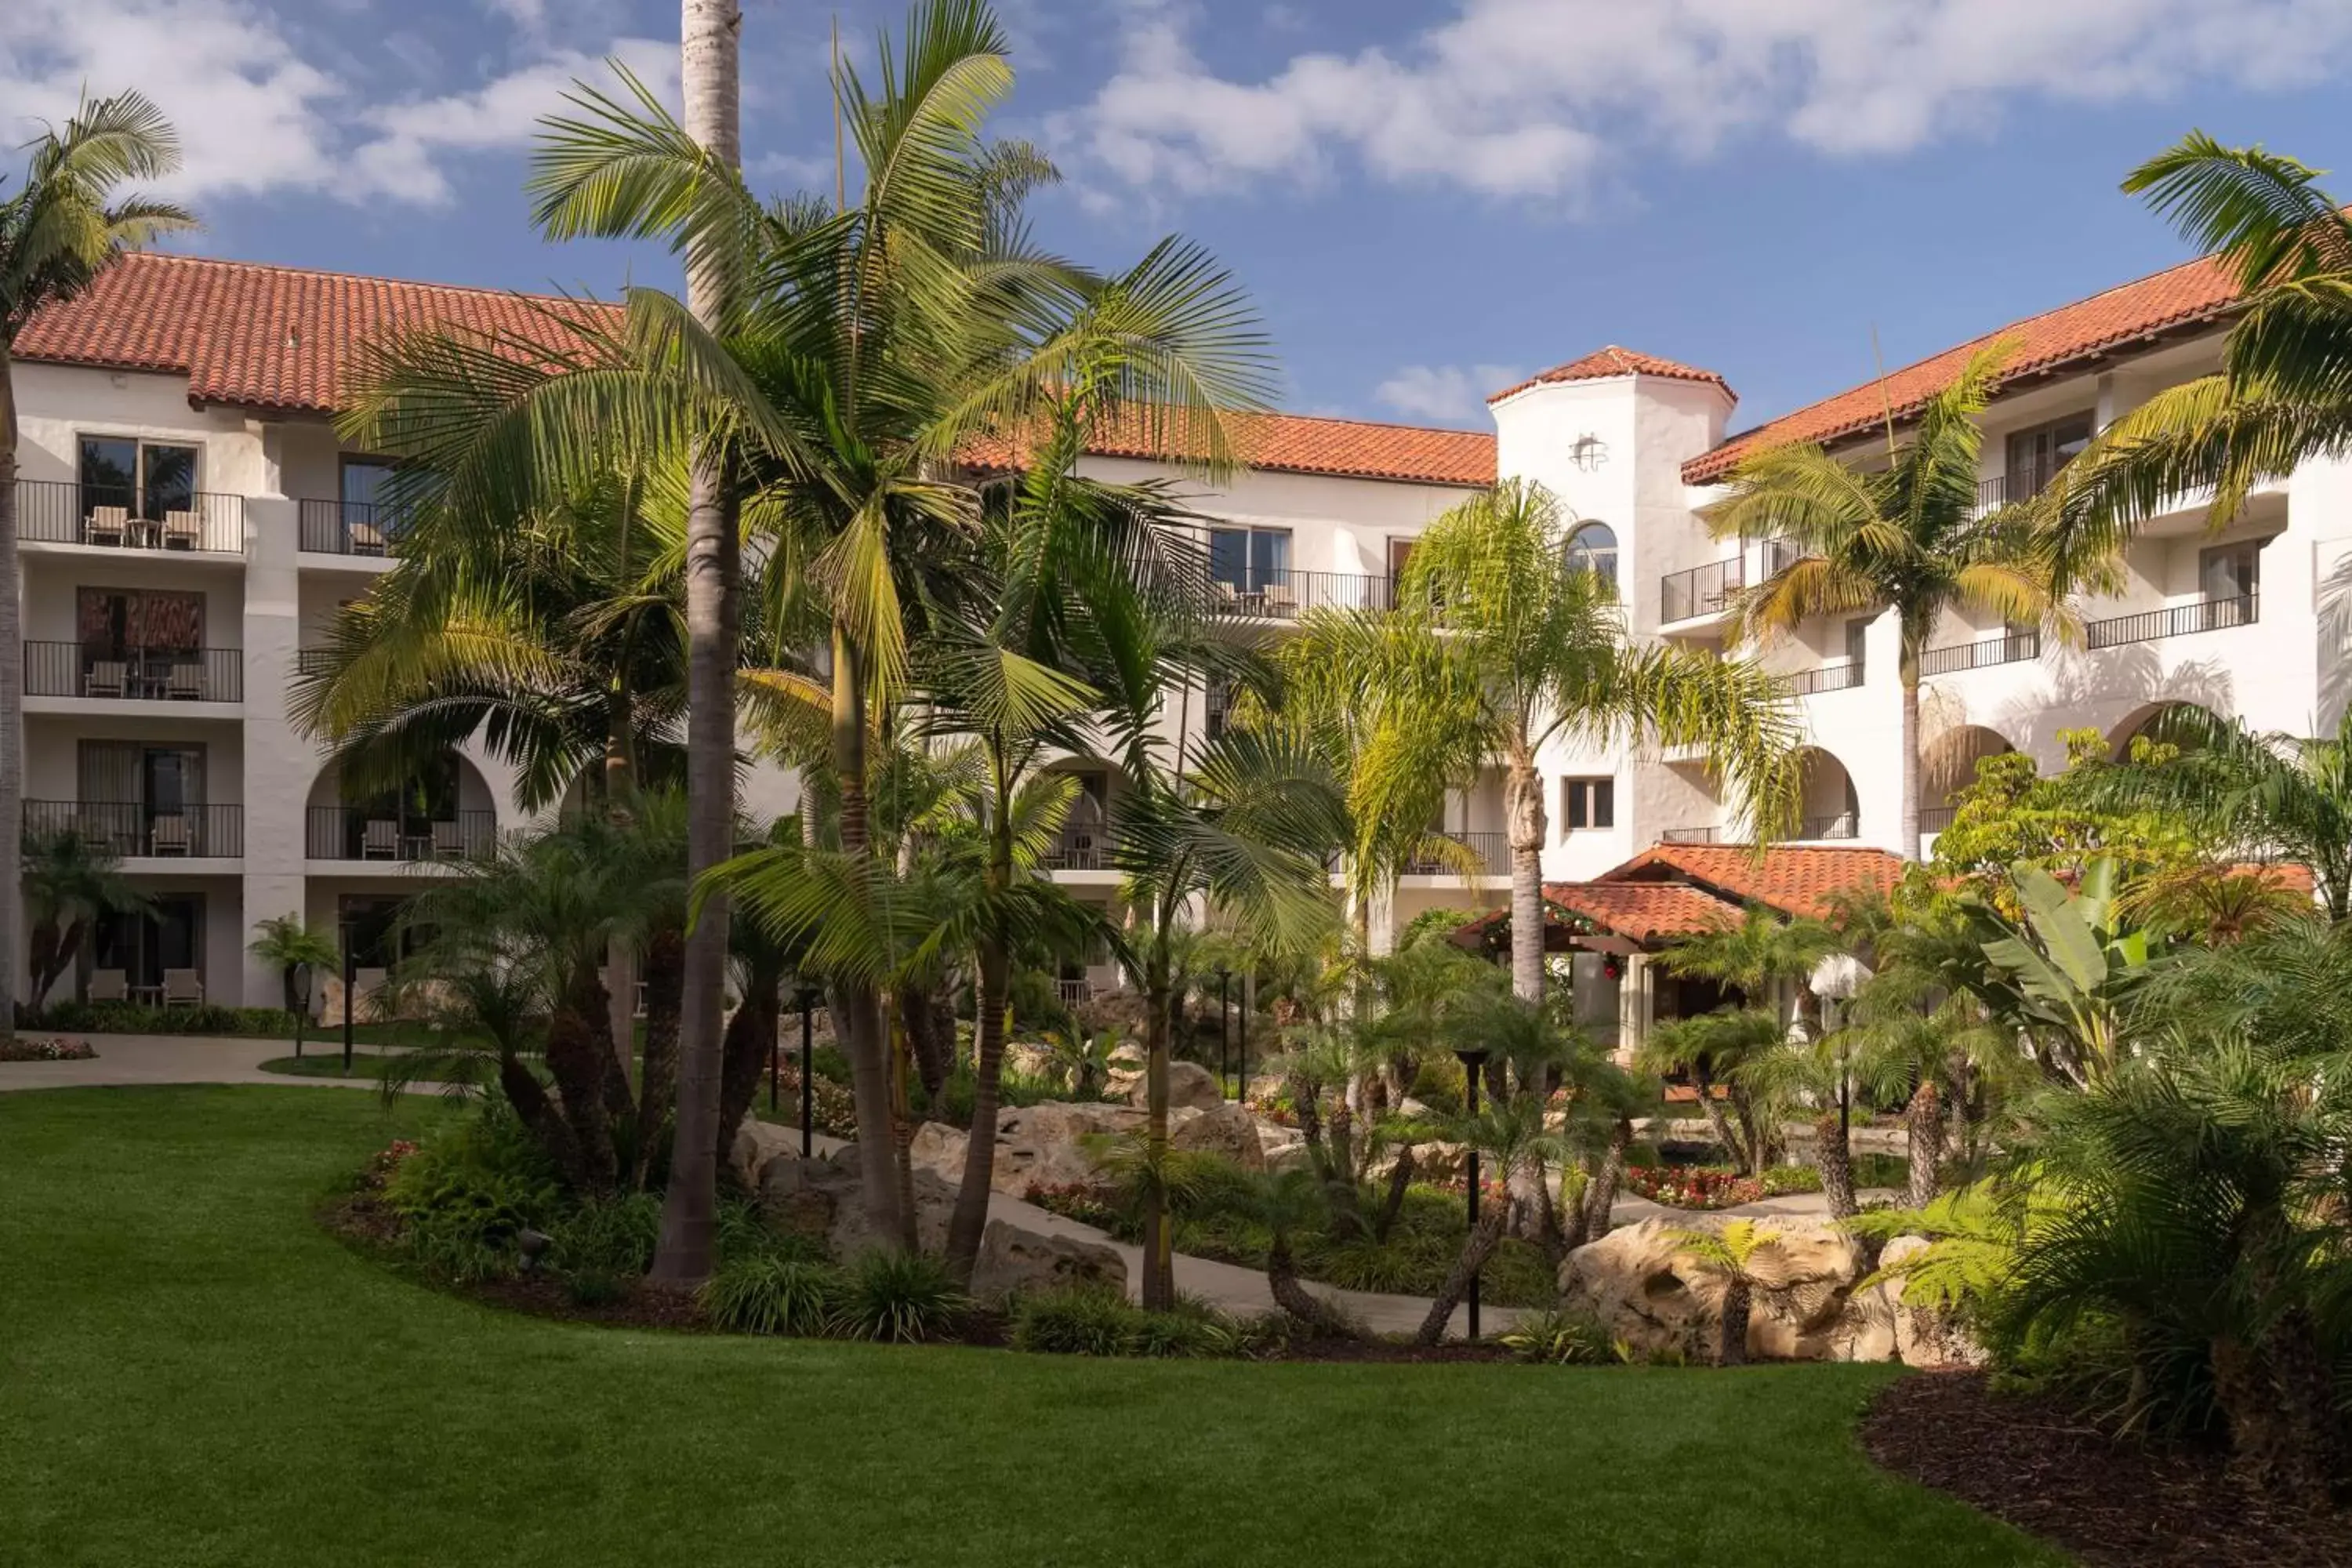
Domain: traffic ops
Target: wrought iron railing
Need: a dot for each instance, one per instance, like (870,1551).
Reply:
(1488,855)
(312,660)
(2021,483)
(1080,847)
(1935,818)
(1281,593)
(348,528)
(2008,649)
(120,517)
(364,833)
(1701,591)
(129,827)
(1691,835)
(138,674)
(1840,825)
(2204,615)
(1826,678)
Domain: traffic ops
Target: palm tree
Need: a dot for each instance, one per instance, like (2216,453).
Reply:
(60,229)
(1517,1147)
(70,881)
(286,943)
(1911,538)
(1724,1048)
(1744,1256)
(1499,626)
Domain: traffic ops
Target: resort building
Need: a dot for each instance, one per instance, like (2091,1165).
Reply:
(190,524)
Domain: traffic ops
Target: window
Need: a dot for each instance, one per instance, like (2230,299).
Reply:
(117,622)
(1587,803)
(1857,638)
(1248,559)
(2231,571)
(148,479)
(2035,455)
(1593,548)
(365,482)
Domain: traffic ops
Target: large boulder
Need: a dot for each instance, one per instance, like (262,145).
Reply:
(825,1198)
(1054,1144)
(1014,1258)
(1190,1085)
(1921,1335)
(1649,1292)
(1227,1129)
(940,1149)
(758,1144)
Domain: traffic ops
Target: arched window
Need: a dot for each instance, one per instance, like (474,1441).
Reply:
(1593,548)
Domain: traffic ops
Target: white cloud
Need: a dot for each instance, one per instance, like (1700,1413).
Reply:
(1452,393)
(1537,97)
(255,115)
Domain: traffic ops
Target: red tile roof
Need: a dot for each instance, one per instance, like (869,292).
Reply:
(275,338)
(287,339)
(2192,294)
(1794,879)
(1610,361)
(1642,910)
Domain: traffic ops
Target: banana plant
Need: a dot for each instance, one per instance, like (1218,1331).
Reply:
(2062,972)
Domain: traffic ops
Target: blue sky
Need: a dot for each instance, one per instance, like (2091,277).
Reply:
(1425,199)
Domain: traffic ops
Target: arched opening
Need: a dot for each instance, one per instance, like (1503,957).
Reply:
(2149,722)
(1832,808)
(1593,548)
(443,811)
(1949,766)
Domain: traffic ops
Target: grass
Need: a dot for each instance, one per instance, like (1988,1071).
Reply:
(195,1375)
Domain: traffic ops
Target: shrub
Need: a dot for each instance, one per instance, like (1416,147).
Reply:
(746,1231)
(1780,1180)
(1088,1203)
(1183,1335)
(613,1235)
(1693,1186)
(594,1288)
(129,1019)
(1564,1336)
(468,1192)
(772,1294)
(1087,1319)
(1391,1267)
(831,1105)
(57,1049)
(904,1298)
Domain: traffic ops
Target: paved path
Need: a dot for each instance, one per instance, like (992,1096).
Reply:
(172,1059)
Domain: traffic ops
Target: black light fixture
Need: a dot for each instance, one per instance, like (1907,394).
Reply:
(302,984)
(1474,1062)
(1224,1025)
(1241,1066)
(808,1077)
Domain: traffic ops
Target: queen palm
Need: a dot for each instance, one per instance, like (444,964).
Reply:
(63,225)
(1498,625)
(1910,537)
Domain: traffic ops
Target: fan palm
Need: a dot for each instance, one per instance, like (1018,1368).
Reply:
(286,943)
(1911,538)
(70,881)
(1744,1258)
(61,227)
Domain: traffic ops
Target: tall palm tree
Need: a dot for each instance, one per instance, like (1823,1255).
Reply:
(62,226)
(1910,537)
(1499,623)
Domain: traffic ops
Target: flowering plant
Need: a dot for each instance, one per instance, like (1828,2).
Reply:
(1693,1186)
(56,1049)
(1084,1202)
(383,1162)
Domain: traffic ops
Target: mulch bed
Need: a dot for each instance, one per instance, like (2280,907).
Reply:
(2037,1465)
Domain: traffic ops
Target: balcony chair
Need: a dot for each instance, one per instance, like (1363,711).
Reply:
(379,840)
(1279,600)
(448,841)
(107,525)
(182,988)
(184,680)
(181,530)
(109,986)
(366,538)
(107,678)
(169,835)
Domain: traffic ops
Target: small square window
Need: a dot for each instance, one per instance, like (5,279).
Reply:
(1587,803)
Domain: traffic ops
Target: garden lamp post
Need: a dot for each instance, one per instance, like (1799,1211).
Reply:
(808,1077)
(303,983)
(1474,1062)
(350,970)
(1241,1066)
(1224,1025)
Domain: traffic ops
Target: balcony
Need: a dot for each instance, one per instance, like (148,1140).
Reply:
(2009,648)
(1079,847)
(362,833)
(135,675)
(118,517)
(313,661)
(1839,824)
(348,528)
(1701,591)
(1484,855)
(1827,678)
(1281,595)
(2021,483)
(1935,818)
(132,828)
(1691,835)
(2203,616)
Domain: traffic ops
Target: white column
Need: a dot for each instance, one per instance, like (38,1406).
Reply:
(279,763)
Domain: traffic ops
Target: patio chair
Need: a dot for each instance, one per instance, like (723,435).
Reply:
(168,835)
(181,530)
(366,538)
(182,988)
(448,841)
(107,678)
(109,986)
(379,840)
(107,524)
(184,680)
(1279,600)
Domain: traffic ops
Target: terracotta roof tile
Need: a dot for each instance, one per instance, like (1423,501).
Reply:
(2193,293)
(1307,444)
(1604,362)
(259,336)
(1642,910)
(1794,879)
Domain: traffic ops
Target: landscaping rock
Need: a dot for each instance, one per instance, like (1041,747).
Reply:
(1922,1336)
(1014,1258)
(828,1201)
(757,1144)
(1227,1129)
(1046,1143)
(940,1149)
(1189,1084)
(1650,1294)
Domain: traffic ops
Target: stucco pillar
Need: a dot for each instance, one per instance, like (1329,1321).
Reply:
(277,761)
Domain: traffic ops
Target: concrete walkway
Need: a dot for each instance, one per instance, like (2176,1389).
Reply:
(175,1058)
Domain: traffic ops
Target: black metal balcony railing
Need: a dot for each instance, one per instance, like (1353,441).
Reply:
(348,528)
(1280,593)
(139,674)
(1935,818)
(2204,615)
(363,833)
(2021,483)
(1691,835)
(2009,648)
(1840,825)
(129,827)
(120,517)
(1702,590)
(1080,847)
(1488,855)
(312,660)
(1779,554)
(1827,678)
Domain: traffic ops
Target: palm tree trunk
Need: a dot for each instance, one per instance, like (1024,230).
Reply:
(1732,1349)
(1475,1250)
(581,1062)
(1835,1160)
(708,65)
(1718,1124)
(1159,1239)
(665,998)
(1523,810)
(1923,1119)
(971,1215)
(1593,1216)
(1909,745)
(747,1053)
(1282,1282)
(856,1004)
(12,707)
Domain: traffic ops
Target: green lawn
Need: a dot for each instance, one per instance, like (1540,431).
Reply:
(190,1372)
